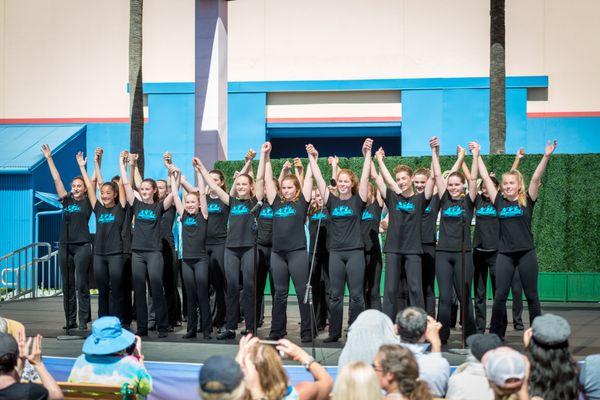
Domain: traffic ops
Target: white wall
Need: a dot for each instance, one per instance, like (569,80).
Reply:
(69,58)
(359,39)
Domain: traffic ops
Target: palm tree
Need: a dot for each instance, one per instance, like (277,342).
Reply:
(136,94)
(497,78)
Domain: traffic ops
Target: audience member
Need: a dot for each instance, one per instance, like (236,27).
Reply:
(589,377)
(507,370)
(272,376)
(221,378)
(12,357)
(554,372)
(16,330)
(469,381)
(371,330)
(356,381)
(112,356)
(398,374)
(419,332)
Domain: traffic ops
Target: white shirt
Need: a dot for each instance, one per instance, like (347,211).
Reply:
(469,383)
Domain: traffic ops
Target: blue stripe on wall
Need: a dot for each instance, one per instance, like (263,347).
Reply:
(247,125)
(574,135)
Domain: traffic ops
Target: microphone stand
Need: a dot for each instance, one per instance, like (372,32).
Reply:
(255,266)
(308,293)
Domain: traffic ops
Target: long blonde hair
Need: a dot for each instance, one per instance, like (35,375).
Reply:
(273,379)
(522,196)
(356,381)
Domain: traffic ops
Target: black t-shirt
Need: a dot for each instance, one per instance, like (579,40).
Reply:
(404,228)
(264,235)
(313,224)
(109,226)
(515,224)
(452,215)
(288,224)
(76,215)
(240,232)
(24,391)
(487,231)
(218,214)
(126,229)
(369,226)
(193,235)
(429,221)
(146,228)
(166,225)
(345,223)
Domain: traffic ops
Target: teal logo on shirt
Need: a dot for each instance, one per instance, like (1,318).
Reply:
(240,209)
(318,216)
(106,218)
(190,221)
(214,208)
(405,206)
(453,212)
(427,210)
(147,215)
(266,213)
(285,211)
(511,212)
(487,211)
(367,216)
(342,211)
(73,208)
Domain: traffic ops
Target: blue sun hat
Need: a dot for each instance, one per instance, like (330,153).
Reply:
(107,337)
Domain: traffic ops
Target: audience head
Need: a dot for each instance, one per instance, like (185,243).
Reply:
(9,353)
(411,324)
(108,338)
(480,344)
(554,373)
(356,381)
(398,371)
(506,370)
(589,378)
(273,379)
(221,378)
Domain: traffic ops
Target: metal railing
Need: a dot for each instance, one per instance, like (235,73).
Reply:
(26,274)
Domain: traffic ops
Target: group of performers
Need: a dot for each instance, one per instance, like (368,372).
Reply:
(231,242)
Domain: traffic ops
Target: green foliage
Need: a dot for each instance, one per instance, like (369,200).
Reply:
(566,222)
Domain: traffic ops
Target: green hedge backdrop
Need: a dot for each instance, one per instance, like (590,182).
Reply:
(566,222)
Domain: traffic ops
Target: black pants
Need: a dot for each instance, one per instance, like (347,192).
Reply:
(149,264)
(216,267)
(239,259)
(283,265)
(195,279)
(506,266)
(170,276)
(396,264)
(448,272)
(264,266)
(484,261)
(428,263)
(320,288)
(74,262)
(109,279)
(373,263)
(127,285)
(345,266)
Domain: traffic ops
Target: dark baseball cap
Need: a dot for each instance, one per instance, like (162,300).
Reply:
(8,345)
(220,374)
(482,343)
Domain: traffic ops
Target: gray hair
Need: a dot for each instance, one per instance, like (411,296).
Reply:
(412,324)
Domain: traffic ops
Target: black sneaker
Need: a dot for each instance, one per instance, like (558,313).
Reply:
(331,339)
(206,336)
(306,339)
(72,325)
(189,335)
(163,334)
(227,334)
(273,337)
(519,327)
(83,327)
(141,332)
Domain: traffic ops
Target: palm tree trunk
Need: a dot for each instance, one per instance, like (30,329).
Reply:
(497,78)
(136,94)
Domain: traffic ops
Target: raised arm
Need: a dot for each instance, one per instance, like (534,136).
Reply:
(269,184)
(122,194)
(385,173)
(434,143)
(485,176)
(536,179)
(208,180)
(125,179)
(460,158)
(188,187)
(175,190)
(285,171)
(202,196)
(58,183)
(307,185)
(299,170)
(91,190)
(379,182)
(363,187)
(375,176)
(334,161)
(259,185)
(518,157)
(472,178)
(97,177)
(136,172)
(313,156)
(168,201)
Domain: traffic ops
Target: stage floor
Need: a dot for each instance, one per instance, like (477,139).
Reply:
(45,316)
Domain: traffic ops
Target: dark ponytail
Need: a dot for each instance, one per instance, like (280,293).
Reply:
(421,391)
